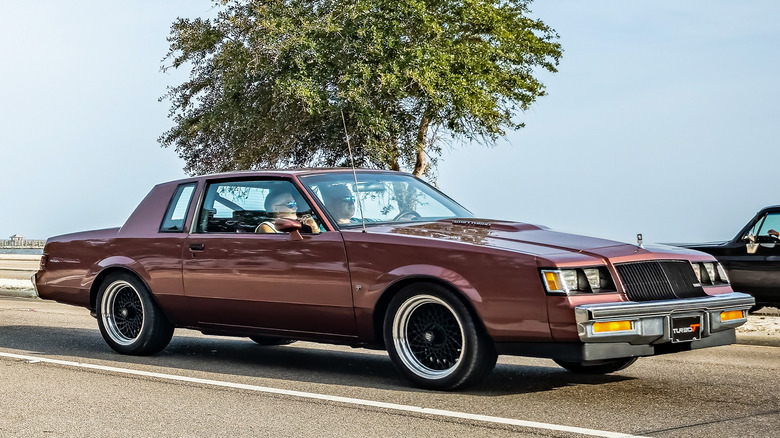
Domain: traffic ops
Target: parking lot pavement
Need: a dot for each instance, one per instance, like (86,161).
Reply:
(63,380)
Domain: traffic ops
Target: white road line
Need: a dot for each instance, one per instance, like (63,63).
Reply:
(331,398)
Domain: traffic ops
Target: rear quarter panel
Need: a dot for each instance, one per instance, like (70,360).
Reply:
(67,261)
(76,264)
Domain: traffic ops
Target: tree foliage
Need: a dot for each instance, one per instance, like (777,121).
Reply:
(273,82)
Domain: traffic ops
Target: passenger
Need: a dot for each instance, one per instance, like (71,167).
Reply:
(283,206)
(340,202)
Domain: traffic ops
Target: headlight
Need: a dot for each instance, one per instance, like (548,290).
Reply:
(710,273)
(710,268)
(722,274)
(578,280)
(697,271)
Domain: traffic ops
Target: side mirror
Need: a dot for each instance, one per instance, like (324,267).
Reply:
(291,226)
(752,246)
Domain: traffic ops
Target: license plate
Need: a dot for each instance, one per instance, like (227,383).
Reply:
(686,328)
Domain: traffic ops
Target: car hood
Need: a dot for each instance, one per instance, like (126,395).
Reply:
(529,239)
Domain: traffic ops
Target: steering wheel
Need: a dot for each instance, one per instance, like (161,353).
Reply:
(408,215)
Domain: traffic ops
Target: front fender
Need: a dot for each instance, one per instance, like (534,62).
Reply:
(435,273)
(370,304)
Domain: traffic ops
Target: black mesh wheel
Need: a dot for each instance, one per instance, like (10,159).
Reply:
(433,341)
(129,320)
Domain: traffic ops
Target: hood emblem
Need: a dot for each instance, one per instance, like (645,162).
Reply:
(639,240)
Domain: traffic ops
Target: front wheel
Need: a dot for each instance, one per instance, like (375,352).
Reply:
(433,340)
(129,320)
(597,366)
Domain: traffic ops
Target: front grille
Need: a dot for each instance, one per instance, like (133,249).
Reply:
(659,280)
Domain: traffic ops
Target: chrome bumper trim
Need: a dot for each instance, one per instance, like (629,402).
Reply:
(734,300)
(35,284)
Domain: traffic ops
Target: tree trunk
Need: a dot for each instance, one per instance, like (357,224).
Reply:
(392,162)
(422,141)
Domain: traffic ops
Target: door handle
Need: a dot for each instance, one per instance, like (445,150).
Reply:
(197,247)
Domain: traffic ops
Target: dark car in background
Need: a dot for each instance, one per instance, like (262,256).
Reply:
(752,257)
(382,259)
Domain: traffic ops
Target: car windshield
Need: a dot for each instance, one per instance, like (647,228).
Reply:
(381,197)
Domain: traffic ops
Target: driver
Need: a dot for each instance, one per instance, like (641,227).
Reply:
(340,202)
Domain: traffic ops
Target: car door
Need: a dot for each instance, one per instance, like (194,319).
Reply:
(235,278)
(753,260)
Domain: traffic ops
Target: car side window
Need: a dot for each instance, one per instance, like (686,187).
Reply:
(173,222)
(770,222)
(252,206)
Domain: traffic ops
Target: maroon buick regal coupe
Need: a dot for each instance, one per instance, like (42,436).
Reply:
(381,259)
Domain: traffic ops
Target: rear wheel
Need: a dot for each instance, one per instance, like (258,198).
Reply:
(269,341)
(597,366)
(129,319)
(434,341)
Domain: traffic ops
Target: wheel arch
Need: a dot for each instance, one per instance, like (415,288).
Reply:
(105,273)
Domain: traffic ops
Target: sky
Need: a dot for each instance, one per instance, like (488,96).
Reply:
(662,119)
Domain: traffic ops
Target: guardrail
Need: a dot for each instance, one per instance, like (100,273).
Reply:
(22,244)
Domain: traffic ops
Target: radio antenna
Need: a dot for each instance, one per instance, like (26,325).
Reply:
(354,173)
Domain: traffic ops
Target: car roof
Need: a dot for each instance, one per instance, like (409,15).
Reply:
(280,173)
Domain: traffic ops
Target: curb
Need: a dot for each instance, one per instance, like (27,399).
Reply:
(758,340)
(18,293)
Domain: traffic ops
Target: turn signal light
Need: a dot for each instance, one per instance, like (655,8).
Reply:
(732,315)
(612,326)
(553,282)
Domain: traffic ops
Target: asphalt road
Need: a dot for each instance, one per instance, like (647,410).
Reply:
(58,378)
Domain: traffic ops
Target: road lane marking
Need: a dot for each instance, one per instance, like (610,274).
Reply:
(330,398)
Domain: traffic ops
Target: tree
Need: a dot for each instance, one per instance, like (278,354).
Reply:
(273,83)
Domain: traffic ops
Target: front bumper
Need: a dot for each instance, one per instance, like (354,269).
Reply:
(651,321)
(650,333)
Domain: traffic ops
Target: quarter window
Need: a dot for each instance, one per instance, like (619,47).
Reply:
(177,209)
